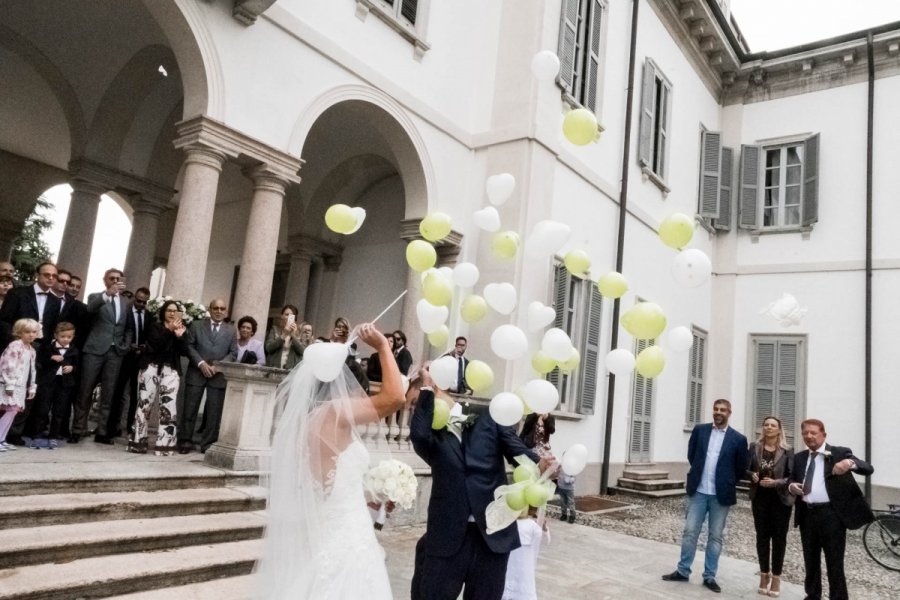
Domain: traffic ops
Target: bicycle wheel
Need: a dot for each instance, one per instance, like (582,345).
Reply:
(881,539)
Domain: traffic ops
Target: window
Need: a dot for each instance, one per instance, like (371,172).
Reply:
(581,45)
(779,185)
(577,303)
(656,107)
(777,381)
(716,176)
(696,382)
(641,411)
(406,17)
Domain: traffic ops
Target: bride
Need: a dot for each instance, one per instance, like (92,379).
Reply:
(320,542)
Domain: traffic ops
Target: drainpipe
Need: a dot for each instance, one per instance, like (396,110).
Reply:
(869,159)
(620,246)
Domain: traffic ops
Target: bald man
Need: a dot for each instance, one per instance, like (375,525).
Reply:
(208,340)
(6,269)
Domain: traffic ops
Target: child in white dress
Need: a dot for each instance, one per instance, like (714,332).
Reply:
(17,376)
(520,582)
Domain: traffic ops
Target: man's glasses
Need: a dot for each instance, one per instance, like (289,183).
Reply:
(48,275)
(63,281)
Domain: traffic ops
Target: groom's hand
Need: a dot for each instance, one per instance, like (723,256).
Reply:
(547,462)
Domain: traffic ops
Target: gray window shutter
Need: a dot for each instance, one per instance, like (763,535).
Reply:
(591,353)
(710,173)
(592,75)
(811,180)
(408,10)
(749,180)
(645,143)
(696,379)
(642,410)
(786,405)
(662,139)
(568,36)
(725,186)
(560,305)
(764,386)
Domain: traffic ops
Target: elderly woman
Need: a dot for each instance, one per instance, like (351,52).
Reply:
(770,471)
(250,350)
(284,349)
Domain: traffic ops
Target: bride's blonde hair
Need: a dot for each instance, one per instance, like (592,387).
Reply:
(782,439)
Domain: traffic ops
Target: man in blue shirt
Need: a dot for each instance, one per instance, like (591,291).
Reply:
(718,457)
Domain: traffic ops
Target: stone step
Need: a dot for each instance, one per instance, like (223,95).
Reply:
(54,509)
(26,479)
(645,474)
(648,493)
(64,543)
(229,588)
(648,485)
(104,576)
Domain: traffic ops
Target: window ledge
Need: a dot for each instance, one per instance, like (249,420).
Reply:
(568,416)
(570,101)
(658,181)
(803,230)
(407,31)
(689,427)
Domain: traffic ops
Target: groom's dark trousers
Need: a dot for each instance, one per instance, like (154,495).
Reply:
(456,551)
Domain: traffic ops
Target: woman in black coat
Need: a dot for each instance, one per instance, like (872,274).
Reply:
(536,432)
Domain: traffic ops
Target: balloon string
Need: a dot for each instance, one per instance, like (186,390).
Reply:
(381,314)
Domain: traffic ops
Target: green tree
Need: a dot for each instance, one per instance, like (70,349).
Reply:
(30,249)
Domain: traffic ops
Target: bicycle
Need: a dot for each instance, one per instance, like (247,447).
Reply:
(881,538)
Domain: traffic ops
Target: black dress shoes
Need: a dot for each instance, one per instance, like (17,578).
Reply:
(74,438)
(675,576)
(103,439)
(711,584)
(185,447)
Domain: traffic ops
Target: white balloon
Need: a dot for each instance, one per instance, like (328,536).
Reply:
(360,214)
(431,317)
(501,297)
(691,268)
(679,338)
(546,239)
(541,396)
(556,344)
(447,272)
(465,274)
(326,360)
(539,315)
(509,342)
(574,460)
(545,65)
(499,188)
(620,362)
(786,310)
(443,371)
(426,273)
(506,408)
(487,219)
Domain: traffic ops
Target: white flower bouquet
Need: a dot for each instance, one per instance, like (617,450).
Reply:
(390,481)
(189,309)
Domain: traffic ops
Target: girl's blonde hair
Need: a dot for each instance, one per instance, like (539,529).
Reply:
(782,439)
(23,325)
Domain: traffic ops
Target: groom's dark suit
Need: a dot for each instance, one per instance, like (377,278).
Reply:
(454,550)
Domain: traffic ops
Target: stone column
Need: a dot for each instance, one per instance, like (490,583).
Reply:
(313,298)
(254,287)
(193,225)
(326,316)
(298,284)
(142,245)
(78,234)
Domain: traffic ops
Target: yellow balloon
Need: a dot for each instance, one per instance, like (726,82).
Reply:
(577,262)
(650,362)
(439,338)
(435,226)
(542,363)
(580,126)
(473,308)
(676,230)
(505,244)
(340,218)
(644,320)
(437,290)
(571,363)
(479,376)
(441,414)
(420,255)
(612,285)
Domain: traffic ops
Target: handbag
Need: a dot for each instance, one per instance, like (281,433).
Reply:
(249,358)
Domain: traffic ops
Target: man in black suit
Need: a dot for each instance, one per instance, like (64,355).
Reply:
(831,504)
(209,340)
(138,321)
(466,467)
(71,310)
(458,353)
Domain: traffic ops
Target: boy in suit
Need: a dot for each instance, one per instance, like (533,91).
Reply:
(56,384)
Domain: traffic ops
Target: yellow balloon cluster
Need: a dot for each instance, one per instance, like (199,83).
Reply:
(577,262)
(437,289)
(644,320)
(420,255)
(505,244)
(676,231)
(473,308)
(580,126)
(479,376)
(435,226)
(650,362)
(441,414)
(542,363)
(612,285)
(571,363)
(440,337)
(340,218)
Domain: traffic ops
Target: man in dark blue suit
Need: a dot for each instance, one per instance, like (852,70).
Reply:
(718,457)
(466,467)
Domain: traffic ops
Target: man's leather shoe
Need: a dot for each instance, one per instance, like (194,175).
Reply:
(103,439)
(711,584)
(185,447)
(675,576)
(15,440)
(74,438)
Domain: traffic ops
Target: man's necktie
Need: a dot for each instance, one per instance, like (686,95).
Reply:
(215,328)
(460,374)
(140,327)
(810,472)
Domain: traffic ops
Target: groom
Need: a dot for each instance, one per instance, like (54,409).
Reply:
(466,467)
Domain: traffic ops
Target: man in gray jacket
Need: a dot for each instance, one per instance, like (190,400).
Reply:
(209,340)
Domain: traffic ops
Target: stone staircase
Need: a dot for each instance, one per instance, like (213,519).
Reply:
(644,479)
(185,535)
